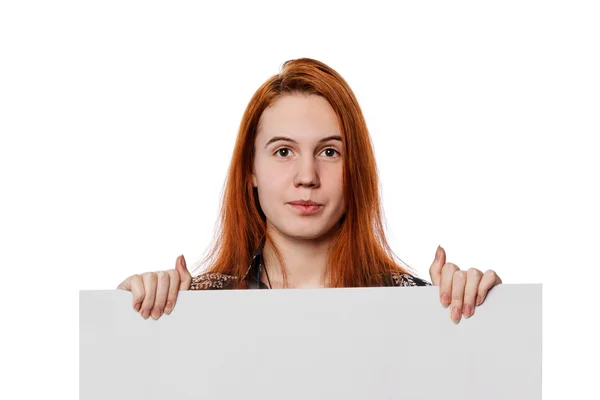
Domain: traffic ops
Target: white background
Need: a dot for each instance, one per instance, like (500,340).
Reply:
(118,119)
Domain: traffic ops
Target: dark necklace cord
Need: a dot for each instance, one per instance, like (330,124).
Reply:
(267,274)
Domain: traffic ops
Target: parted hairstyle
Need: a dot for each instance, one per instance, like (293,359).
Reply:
(359,255)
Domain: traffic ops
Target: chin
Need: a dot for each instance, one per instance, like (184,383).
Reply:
(304,235)
(311,233)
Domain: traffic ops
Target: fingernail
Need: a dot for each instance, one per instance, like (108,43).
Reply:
(183,262)
(168,308)
(445,300)
(479,299)
(145,314)
(437,253)
(155,313)
(137,307)
(468,310)
(455,314)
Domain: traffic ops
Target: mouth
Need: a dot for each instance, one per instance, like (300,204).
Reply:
(306,209)
(305,203)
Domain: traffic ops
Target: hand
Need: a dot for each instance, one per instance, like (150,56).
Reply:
(155,292)
(462,289)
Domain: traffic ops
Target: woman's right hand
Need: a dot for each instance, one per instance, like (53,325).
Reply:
(156,292)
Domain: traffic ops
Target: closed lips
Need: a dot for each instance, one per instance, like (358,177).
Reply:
(304,203)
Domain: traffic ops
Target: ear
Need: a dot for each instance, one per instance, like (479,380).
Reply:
(254,183)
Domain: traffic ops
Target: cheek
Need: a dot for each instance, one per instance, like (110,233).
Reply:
(336,184)
(271,186)
(272,175)
(268,177)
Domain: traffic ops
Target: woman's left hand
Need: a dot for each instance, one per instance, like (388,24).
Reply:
(460,289)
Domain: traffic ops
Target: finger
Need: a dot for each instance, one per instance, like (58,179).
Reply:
(162,289)
(435,271)
(173,290)
(125,285)
(459,281)
(150,282)
(138,291)
(488,280)
(184,275)
(448,271)
(473,278)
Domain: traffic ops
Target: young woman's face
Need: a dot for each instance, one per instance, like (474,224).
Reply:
(299,157)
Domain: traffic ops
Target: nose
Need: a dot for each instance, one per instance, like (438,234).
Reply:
(307,173)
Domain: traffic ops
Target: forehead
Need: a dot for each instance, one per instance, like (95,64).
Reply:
(299,116)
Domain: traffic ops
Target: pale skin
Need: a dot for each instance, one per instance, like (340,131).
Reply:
(305,163)
(299,156)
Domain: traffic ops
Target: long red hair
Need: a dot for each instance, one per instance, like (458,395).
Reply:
(359,255)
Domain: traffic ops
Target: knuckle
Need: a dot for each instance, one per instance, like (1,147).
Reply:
(457,297)
(474,272)
(451,266)
(148,276)
(460,274)
(173,275)
(162,275)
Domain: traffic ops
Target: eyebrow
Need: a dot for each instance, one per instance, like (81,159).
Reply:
(287,139)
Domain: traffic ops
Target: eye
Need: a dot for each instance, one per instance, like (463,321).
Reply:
(331,149)
(282,149)
(286,150)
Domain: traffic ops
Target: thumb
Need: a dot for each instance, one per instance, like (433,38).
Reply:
(184,274)
(435,271)
(125,285)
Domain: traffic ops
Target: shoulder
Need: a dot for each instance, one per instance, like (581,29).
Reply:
(399,279)
(212,280)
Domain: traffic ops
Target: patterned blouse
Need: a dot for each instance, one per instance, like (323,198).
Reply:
(212,280)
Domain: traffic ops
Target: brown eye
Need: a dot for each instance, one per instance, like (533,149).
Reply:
(331,151)
(282,149)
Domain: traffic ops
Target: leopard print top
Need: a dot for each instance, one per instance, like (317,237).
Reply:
(212,280)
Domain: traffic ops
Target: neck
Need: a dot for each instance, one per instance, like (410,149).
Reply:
(305,262)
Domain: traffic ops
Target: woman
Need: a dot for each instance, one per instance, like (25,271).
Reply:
(301,207)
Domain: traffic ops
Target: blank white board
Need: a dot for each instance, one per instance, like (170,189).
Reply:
(348,343)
